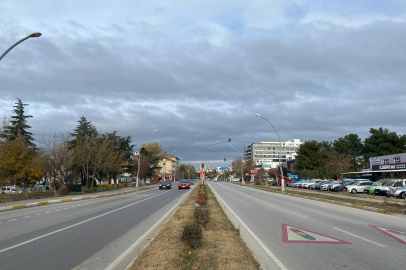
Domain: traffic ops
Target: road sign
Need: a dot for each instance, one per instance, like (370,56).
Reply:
(399,236)
(202,175)
(291,234)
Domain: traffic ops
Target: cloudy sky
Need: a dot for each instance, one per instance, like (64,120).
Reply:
(199,70)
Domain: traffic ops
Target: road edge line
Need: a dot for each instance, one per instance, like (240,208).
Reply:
(262,245)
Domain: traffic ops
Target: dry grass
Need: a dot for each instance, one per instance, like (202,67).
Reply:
(221,246)
(22,196)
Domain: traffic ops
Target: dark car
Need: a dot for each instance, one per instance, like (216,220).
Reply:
(165,184)
(183,184)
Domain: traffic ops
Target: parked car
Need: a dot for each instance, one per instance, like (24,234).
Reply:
(191,182)
(318,185)
(358,186)
(296,184)
(370,190)
(339,186)
(395,184)
(326,187)
(183,184)
(8,190)
(313,182)
(400,192)
(165,184)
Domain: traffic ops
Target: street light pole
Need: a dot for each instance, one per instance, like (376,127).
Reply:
(202,166)
(280,152)
(139,156)
(242,168)
(35,34)
(171,161)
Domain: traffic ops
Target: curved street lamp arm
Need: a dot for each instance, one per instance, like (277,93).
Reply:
(35,34)
(229,140)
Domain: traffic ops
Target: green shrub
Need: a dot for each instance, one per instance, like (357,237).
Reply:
(192,235)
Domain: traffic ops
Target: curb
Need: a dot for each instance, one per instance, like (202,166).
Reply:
(358,206)
(21,206)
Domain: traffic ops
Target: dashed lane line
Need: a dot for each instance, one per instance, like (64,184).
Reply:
(372,242)
(79,223)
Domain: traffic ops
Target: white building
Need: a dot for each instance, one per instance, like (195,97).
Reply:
(267,153)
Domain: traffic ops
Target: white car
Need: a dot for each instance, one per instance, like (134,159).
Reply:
(392,185)
(8,190)
(359,186)
(326,187)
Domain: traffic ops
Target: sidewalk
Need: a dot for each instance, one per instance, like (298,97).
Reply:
(68,198)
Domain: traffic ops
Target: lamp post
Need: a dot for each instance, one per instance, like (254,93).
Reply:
(35,34)
(242,168)
(224,172)
(202,166)
(139,156)
(280,152)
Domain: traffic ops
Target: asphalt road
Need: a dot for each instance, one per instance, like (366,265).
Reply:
(88,234)
(306,234)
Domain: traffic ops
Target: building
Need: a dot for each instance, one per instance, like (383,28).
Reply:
(389,166)
(168,167)
(266,154)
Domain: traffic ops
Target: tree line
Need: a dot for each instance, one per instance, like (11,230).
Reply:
(349,153)
(70,158)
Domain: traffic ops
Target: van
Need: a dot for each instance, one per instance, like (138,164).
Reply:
(8,190)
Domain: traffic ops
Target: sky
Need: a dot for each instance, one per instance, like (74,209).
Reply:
(198,71)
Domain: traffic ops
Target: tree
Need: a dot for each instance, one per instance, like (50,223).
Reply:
(120,158)
(19,162)
(312,156)
(382,142)
(57,160)
(337,162)
(86,132)
(18,125)
(351,146)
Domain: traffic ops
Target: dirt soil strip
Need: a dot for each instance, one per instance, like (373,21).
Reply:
(221,246)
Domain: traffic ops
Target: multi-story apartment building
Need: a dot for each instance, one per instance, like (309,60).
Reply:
(168,167)
(267,153)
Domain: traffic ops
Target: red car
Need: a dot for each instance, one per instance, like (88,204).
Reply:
(183,184)
(190,182)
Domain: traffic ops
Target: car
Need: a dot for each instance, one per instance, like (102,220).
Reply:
(339,186)
(358,186)
(184,184)
(400,192)
(370,190)
(191,182)
(395,184)
(165,184)
(312,183)
(317,185)
(326,186)
(8,190)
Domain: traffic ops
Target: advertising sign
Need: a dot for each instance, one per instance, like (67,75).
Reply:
(375,160)
(397,166)
(202,175)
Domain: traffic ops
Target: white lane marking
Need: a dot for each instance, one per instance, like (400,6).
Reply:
(57,210)
(303,216)
(11,219)
(270,254)
(38,214)
(48,212)
(77,224)
(375,243)
(142,238)
(26,217)
(65,208)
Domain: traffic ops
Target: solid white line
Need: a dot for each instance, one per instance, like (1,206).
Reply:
(270,254)
(142,238)
(360,237)
(77,224)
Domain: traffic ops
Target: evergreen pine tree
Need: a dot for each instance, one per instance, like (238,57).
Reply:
(18,125)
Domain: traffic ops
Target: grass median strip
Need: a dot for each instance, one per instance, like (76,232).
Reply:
(221,246)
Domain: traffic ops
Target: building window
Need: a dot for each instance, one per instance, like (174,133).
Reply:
(397,159)
(386,161)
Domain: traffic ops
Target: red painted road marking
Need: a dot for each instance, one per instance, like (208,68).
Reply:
(291,234)
(399,236)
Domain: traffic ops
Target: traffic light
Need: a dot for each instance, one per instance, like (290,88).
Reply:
(224,159)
